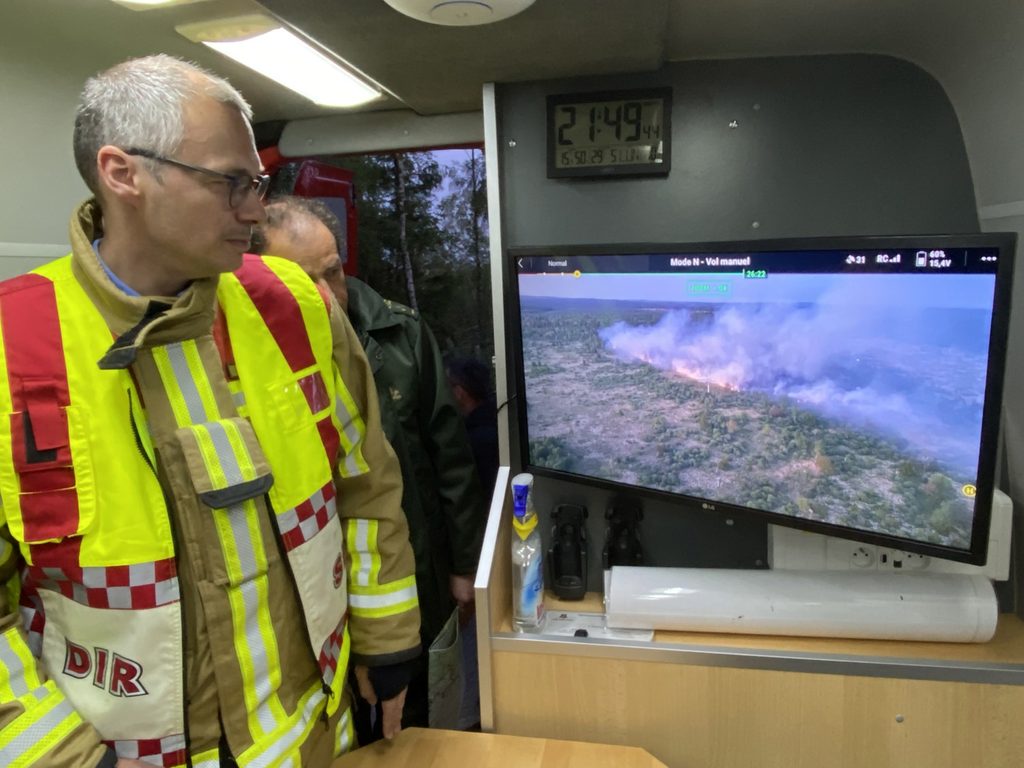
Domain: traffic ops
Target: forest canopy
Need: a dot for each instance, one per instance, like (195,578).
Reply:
(423,240)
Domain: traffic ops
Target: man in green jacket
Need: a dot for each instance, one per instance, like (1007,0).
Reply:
(442,498)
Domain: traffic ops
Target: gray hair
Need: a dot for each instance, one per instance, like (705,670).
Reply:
(140,104)
(282,213)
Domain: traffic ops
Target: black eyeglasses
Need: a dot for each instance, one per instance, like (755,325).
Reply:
(238,184)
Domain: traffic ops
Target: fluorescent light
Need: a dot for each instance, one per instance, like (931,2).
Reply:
(145,5)
(260,43)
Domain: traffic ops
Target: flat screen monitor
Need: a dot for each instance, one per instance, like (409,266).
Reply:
(848,386)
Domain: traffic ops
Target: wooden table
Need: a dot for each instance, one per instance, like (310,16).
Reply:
(422,748)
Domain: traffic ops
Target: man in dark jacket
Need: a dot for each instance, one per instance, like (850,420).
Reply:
(470,381)
(442,498)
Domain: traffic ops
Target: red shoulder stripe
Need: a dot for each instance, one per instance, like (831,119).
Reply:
(279,310)
(38,380)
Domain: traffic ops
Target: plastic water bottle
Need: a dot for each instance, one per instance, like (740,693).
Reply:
(527,565)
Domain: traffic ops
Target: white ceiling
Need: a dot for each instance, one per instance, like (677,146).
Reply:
(433,69)
(972,48)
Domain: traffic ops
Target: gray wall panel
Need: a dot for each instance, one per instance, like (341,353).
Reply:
(829,145)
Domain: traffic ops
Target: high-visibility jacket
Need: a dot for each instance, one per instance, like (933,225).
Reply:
(207,519)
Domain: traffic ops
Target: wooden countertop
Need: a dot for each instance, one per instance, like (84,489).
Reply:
(422,748)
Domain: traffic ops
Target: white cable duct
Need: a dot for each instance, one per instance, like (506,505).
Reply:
(887,606)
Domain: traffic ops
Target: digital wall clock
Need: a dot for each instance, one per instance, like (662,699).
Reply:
(611,133)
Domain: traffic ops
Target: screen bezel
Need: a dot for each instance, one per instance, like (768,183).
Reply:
(988,451)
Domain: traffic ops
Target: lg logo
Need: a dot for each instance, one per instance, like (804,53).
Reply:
(125,675)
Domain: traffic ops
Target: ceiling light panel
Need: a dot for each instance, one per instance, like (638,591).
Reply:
(263,45)
(148,5)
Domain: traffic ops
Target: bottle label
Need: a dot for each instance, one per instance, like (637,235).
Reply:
(531,597)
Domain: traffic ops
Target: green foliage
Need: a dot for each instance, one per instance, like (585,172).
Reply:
(755,448)
(551,452)
(446,236)
(824,464)
(942,519)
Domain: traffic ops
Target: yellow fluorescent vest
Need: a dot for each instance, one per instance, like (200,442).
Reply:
(100,596)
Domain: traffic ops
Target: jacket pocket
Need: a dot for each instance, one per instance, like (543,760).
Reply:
(53,479)
(228,471)
(300,436)
(300,400)
(225,462)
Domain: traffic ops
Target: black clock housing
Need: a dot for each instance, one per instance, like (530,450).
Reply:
(610,133)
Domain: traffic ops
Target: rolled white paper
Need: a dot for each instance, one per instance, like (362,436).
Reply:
(942,607)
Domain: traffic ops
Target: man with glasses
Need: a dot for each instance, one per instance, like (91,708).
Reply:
(239,184)
(201,520)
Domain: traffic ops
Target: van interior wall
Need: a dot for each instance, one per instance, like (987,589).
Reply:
(39,88)
(983,78)
(979,62)
(1012,464)
(819,146)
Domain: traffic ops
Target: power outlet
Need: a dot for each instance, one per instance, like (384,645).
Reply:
(804,551)
(863,557)
(895,560)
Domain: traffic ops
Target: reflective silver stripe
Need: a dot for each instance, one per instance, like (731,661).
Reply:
(236,514)
(382,601)
(344,737)
(244,547)
(132,748)
(258,653)
(331,652)
(228,461)
(350,466)
(11,754)
(172,743)
(138,573)
(15,672)
(168,591)
(241,538)
(365,556)
(287,520)
(28,615)
(239,398)
(348,424)
(186,385)
(289,739)
(317,499)
(308,528)
(15,667)
(243,542)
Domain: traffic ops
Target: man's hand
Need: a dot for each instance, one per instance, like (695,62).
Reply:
(124,762)
(462,592)
(391,709)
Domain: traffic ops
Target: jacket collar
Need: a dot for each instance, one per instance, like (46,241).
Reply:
(136,321)
(368,310)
